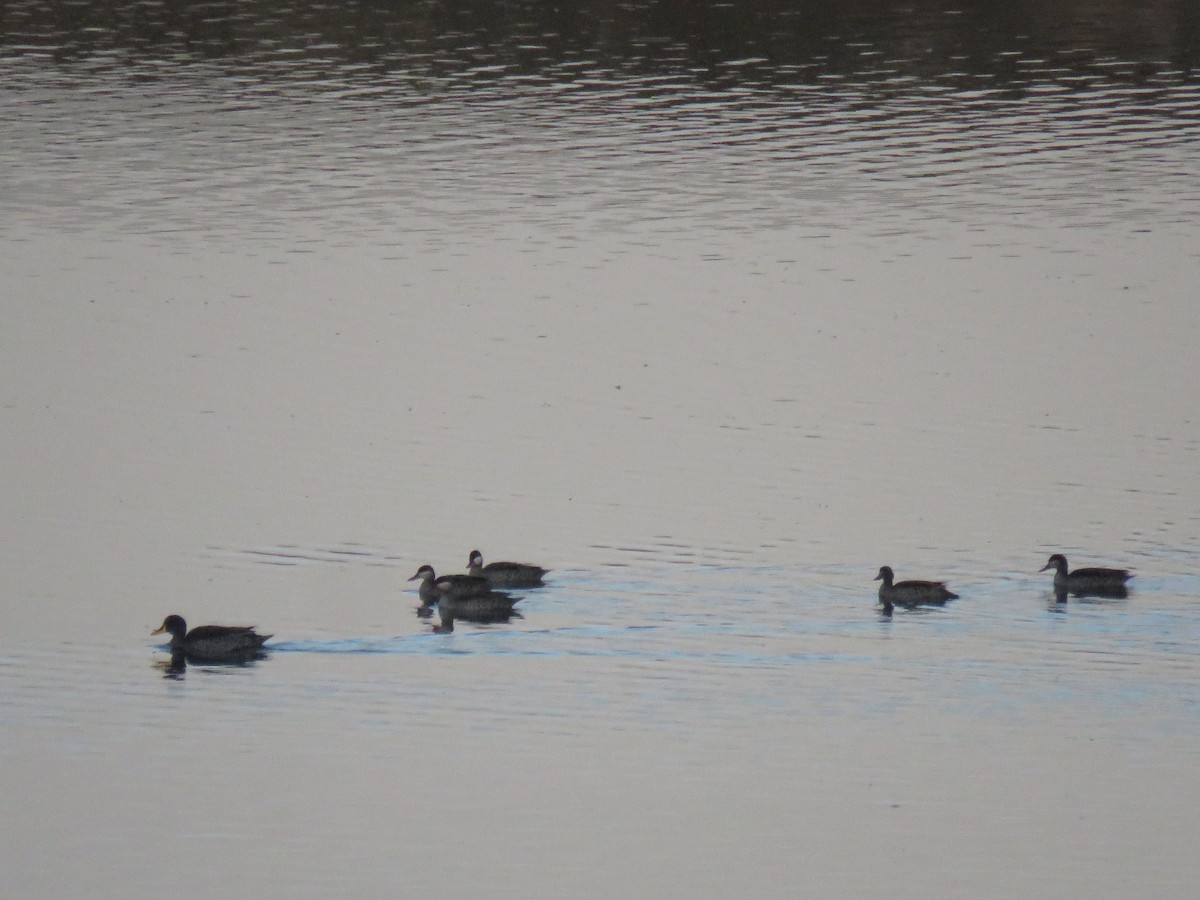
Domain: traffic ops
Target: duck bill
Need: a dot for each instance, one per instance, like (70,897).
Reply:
(161,629)
(1046,567)
(415,577)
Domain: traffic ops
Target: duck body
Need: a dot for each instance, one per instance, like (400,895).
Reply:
(910,593)
(493,606)
(433,589)
(489,609)
(212,643)
(506,574)
(1089,581)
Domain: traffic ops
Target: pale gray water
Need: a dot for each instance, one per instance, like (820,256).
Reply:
(713,316)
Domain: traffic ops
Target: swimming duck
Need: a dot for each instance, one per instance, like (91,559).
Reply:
(488,609)
(506,574)
(1097,581)
(212,643)
(434,589)
(910,593)
(492,606)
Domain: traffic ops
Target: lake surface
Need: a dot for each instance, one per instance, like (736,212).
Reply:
(712,310)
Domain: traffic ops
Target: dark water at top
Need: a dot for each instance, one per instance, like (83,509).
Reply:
(229,116)
(723,44)
(712,309)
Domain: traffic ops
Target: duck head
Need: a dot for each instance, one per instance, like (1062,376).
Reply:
(1058,562)
(425,573)
(172,625)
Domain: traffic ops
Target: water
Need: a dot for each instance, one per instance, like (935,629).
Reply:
(713,311)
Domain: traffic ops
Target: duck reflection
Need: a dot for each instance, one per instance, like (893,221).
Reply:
(1095,592)
(176,667)
(494,606)
(445,624)
(490,608)
(497,612)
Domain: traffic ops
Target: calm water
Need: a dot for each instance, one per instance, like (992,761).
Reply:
(711,309)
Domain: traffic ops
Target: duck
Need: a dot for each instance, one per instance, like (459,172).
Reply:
(489,609)
(506,574)
(212,643)
(433,589)
(492,606)
(1096,581)
(910,593)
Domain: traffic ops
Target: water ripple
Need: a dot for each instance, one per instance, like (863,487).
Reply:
(569,144)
